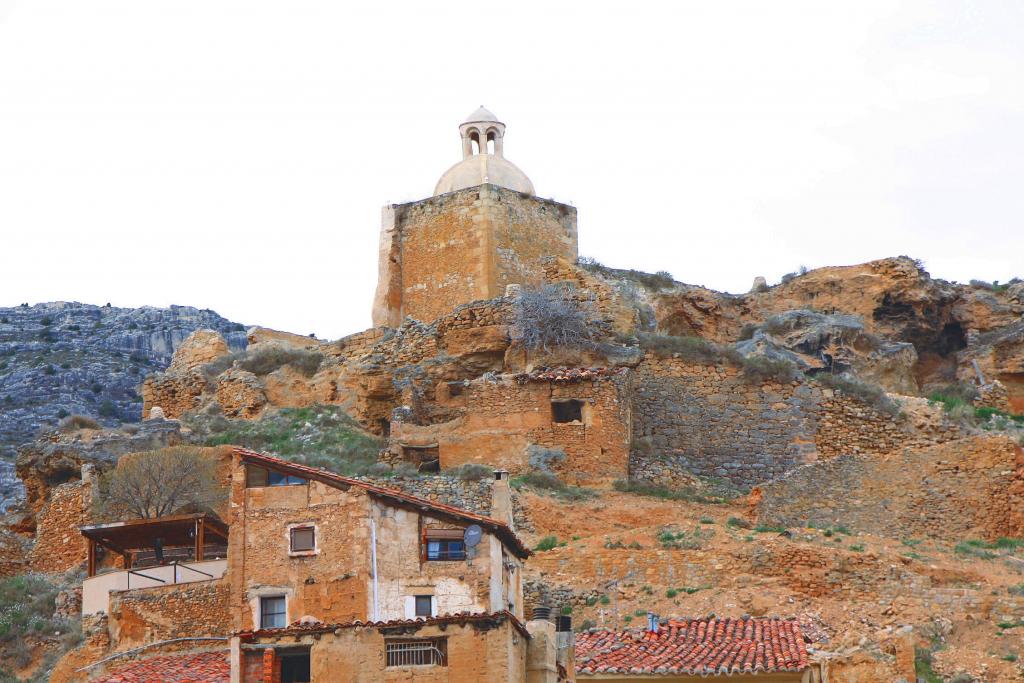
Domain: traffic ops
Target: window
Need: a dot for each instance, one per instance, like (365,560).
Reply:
(272,612)
(261,476)
(444,544)
(417,652)
(303,539)
(567,411)
(424,605)
(279,479)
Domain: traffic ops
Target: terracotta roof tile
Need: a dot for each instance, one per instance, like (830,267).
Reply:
(196,667)
(499,529)
(695,647)
(314,626)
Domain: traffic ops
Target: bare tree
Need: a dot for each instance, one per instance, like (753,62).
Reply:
(160,483)
(550,317)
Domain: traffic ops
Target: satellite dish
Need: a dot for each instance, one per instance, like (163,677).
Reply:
(472,535)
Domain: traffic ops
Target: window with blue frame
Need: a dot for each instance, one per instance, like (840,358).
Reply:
(444,544)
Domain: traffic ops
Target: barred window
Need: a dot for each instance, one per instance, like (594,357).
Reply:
(417,652)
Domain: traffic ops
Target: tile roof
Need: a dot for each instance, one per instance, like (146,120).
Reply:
(500,529)
(307,625)
(195,667)
(695,647)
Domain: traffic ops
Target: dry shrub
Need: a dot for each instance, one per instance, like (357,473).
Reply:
(160,483)
(871,394)
(73,423)
(266,359)
(693,349)
(549,318)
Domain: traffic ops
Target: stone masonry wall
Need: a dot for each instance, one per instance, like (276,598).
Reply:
(498,419)
(464,246)
(59,546)
(969,488)
(149,615)
(712,421)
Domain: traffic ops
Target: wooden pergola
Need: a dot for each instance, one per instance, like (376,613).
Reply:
(177,531)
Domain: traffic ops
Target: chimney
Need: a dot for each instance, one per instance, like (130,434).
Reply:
(501,499)
(652,622)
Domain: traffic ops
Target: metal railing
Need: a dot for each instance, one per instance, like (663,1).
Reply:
(432,652)
(174,574)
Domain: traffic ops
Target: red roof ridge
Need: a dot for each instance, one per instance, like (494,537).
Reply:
(501,529)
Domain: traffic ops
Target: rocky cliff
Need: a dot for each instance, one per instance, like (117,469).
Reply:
(59,359)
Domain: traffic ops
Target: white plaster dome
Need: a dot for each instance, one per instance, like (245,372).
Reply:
(484,168)
(483,158)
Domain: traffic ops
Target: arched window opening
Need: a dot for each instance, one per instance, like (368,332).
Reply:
(474,139)
(490,142)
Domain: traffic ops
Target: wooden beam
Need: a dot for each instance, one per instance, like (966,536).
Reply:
(200,538)
(92,557)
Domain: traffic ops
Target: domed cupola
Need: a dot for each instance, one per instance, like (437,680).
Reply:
(483,160)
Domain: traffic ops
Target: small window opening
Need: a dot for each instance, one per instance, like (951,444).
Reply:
(443,545)
(424,605)
(455,388)
(295,667)
(303,539)
(256,477)
(385,427)
(272,612)
(425,458)
(474,139)
(490,142)
(567,411)
(417,652)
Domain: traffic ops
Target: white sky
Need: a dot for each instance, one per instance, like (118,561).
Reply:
(235,155)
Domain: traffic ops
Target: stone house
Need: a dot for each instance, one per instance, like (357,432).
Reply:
(574,422)
(334,578)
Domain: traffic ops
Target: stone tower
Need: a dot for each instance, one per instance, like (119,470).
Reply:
(482,230)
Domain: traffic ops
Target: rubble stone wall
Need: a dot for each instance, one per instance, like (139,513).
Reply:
(59,546)
(500,419)
(969,488)
(712,421)
(149,615)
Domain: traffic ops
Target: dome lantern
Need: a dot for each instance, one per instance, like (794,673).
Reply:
(483,158)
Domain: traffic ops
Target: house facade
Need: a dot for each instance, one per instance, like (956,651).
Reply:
(334,578)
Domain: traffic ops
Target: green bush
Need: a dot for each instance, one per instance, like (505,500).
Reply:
(693,349)
(318,435)
(107,409)
(871,394)
(27,609)
(472,471)
(779,370)
(546,543)
(691,495)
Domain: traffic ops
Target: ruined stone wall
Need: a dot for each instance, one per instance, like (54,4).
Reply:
(500,418)
(712,421)
(59,546)
(148,615)
(474,496)
(969,488)
(464,246)
(174,392)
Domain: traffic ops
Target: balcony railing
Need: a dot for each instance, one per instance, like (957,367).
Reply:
(96,589)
